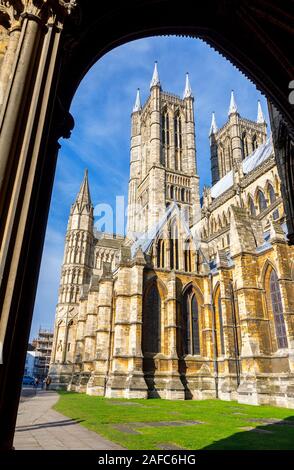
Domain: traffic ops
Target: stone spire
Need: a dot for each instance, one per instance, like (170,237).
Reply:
(137,106)
(83,197)
(233,106)
(260,116)
(188,90)
(213,126)
(155,78)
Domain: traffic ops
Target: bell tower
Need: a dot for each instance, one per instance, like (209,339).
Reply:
(163,158)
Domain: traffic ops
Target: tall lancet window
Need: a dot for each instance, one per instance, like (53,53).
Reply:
(244,145)
(160,253)
(190,324)
(277,308)
(165,138)
(251,206)
(188,256)
(178,141)
(261,201)
(271,193)
(254,142)
(174,246)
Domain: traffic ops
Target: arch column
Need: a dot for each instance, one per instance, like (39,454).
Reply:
(28,141)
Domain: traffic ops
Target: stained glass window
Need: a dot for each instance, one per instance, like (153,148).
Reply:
(276,300)
(191,338)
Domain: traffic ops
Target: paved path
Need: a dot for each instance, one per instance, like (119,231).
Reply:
(39,427)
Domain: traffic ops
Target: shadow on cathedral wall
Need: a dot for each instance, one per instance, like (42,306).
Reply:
(273,434)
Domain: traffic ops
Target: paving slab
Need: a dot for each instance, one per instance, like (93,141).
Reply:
(40,427)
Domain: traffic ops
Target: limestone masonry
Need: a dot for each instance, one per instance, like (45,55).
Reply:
(197,301)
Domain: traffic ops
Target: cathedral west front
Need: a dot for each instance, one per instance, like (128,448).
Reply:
(197,300)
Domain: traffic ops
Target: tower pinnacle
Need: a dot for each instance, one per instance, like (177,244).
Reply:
(83,196)
(260,116)
(188,90)
(233,106)
(213,126)
(155,78)
(137,106)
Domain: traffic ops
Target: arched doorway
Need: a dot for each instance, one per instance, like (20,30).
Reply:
(35,114)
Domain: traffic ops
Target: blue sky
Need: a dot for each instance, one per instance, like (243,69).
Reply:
(100,140)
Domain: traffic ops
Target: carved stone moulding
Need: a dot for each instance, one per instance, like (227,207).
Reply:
(13,11)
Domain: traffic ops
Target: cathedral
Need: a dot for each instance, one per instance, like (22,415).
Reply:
(197,300)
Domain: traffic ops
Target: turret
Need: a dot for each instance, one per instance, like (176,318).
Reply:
(135,165)
(213,150)
(190,128)
(233,106)
(81,214)
(260,117)
(137,106)
(155,89)
(79,241)
(236,142)
(261,121)
(76,272)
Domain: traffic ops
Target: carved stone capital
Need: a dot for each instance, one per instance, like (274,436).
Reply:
(47,10)
(10,11)
(68,5)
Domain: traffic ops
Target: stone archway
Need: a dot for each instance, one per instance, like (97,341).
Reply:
(50,45)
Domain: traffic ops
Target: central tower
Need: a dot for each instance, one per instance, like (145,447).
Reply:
(163,158)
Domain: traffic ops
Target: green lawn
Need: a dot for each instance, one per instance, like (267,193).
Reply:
(222,422)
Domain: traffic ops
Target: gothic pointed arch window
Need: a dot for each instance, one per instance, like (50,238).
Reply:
(160,253)
(276,214)
(228,152)
(172,192)
(174,246)
(251,206)
(178,141)
(244,144)
(188,256)
(261,201)
(151,329)
(183,195)
(165,137)
(275,307)
(271,193)
(254,142)
(222,166)
(190,323)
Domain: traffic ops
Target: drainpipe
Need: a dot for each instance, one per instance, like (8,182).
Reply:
(214,338)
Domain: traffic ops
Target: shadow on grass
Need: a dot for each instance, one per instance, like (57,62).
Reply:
(270,435)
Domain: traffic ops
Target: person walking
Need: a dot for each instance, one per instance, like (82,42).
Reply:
(48,382)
